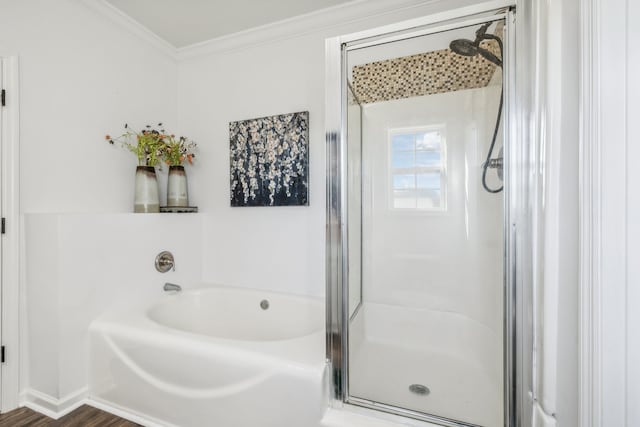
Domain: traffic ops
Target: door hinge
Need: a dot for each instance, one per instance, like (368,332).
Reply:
(2,354)
(4,97)
(2,227)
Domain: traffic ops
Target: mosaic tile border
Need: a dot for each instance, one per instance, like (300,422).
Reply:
(427,73)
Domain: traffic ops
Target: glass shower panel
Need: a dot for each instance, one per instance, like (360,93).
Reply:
(425,238)
(354,203)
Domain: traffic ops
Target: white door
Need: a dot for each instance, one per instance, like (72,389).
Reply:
(2,132)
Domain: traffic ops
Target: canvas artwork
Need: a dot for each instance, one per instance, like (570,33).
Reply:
(270,161)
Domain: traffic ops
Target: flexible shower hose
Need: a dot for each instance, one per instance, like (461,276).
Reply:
(490,153)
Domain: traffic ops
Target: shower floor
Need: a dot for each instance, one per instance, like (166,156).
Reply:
(456,358)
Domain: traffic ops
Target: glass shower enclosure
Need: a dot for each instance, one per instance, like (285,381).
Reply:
(420,316)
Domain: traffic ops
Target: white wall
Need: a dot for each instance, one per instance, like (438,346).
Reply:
(616,321)
(556,124)
(277,248)
(280,248)
(82,76)
(563,153)
(633,213)
(444,261)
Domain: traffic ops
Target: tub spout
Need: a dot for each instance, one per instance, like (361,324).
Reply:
(168,287)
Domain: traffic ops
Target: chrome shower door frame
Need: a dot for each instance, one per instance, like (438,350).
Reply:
(517,336)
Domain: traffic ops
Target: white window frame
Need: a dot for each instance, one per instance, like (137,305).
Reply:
(443,168)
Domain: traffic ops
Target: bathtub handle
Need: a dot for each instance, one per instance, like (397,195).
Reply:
(164,262)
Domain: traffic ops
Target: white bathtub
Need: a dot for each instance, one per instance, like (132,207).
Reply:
(213,356)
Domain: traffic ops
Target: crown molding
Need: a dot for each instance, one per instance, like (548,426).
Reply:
(133,26)
(301,25)
(313,22)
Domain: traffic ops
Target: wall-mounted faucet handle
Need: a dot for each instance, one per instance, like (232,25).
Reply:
(164,262)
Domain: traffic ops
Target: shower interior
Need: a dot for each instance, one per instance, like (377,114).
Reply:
(425,227)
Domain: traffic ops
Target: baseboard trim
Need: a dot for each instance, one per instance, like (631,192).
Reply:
(58,408)
(126,414)
(50,406)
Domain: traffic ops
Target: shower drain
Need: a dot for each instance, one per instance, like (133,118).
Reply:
(420,389)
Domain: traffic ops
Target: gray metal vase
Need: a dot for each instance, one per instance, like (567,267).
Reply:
(177,193)
(146,198)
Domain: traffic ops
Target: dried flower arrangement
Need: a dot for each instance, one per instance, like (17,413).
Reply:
(177,150)
(151,146)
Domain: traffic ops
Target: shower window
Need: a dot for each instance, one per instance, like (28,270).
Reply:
(418,168)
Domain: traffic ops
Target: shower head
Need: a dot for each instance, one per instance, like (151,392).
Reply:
(466,47)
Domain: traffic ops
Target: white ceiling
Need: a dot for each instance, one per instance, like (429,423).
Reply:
(185,22)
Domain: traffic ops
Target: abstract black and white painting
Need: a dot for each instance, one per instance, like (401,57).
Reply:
(270,161)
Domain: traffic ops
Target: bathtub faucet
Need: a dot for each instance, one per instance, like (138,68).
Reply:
(168,287)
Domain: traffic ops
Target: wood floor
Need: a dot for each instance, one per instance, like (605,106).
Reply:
(84,416)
